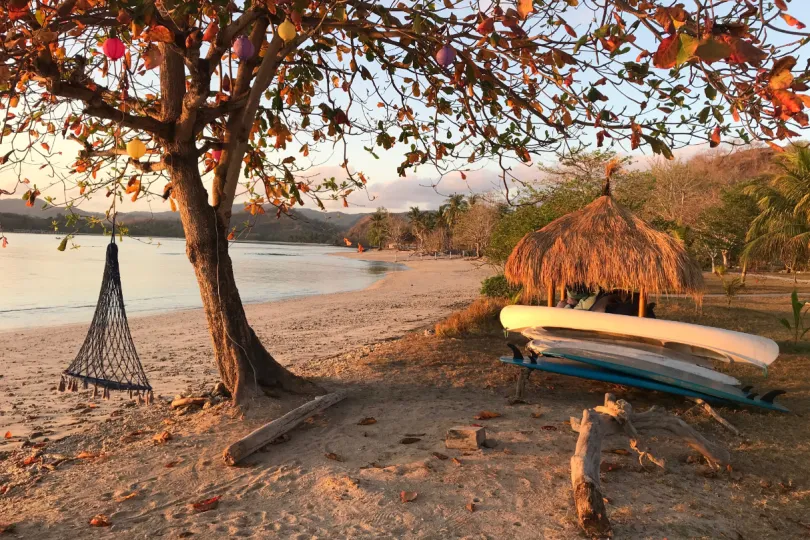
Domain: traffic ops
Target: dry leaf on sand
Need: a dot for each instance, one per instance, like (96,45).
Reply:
(439,455)
(206,505)
(471,507)
(100,520)
(8,435)
(407,496)
(162,437)
(126,497)
(333,456)
(487,415)
(409,440)
(84,454)
(367,421)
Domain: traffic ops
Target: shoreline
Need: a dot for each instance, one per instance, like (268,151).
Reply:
(175,347)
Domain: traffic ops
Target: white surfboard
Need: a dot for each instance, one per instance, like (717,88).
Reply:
(670,364)
(714,343)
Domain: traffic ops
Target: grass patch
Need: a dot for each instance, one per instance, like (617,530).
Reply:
(482,314)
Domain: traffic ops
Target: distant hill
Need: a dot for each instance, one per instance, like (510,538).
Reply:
(304,226)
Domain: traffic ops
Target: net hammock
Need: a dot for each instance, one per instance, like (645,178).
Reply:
(108,359)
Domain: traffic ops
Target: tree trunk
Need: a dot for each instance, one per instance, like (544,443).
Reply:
(713,265)
(744,271)
(244,364)
(724,253)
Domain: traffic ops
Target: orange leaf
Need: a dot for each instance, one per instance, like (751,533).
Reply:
(789,101)
(206,505)
(162,438)
(714,140)
(793,21)
(8,435)
(159,33)
(232,236)
(348,242)
(408,496)
(487,415)
(525,8)
(100,520)
(360,248)
(780,4)
(367,421)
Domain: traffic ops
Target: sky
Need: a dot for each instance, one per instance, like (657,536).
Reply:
(423,187)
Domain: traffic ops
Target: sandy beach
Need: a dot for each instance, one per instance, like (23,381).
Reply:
(175,348)
(342,473)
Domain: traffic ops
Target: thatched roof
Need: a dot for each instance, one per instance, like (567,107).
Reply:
(603,246)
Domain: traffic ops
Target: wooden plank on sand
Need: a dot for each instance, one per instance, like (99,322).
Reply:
(278,427)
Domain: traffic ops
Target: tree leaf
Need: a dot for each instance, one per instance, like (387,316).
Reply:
(408,496)
(206,505)
(687,49)
(525,8)
(667,54)
(487,415)
(711,50)
(100,520)
(158,33)
(714,140)
(793,21)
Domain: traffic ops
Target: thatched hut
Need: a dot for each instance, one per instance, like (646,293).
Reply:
(603,246)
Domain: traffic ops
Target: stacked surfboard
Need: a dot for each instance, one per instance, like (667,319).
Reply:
(654,354)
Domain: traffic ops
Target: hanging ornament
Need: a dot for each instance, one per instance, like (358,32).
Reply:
(286,30)
(113,48)
(446,56)
(136,149)
(243,48)
(216,155)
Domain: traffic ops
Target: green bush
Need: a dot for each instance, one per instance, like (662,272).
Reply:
(498,287)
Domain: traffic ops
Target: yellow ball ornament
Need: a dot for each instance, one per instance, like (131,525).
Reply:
(286,30)
(136,149)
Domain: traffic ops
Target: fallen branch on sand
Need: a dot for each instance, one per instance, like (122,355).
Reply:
(180,403)
(278,427)
(613,418)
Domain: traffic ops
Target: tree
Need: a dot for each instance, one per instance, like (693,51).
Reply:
(454,207)
(378,230)
(721,228)
(398,230)
(236,84)
(782,228)
(474,228)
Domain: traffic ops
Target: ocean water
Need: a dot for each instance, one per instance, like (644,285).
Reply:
(40,286)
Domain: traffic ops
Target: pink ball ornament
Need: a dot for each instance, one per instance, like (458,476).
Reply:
(113,48)
(216,155)
(243,48)
(446,56)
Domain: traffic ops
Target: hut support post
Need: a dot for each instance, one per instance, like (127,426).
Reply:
(550,294)
(642,304)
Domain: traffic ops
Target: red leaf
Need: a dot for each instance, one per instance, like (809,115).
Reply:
(8,433)
(4,242)
(211,32)
(780,4)
(206,505)
(487,415)
(667,54)
(407,496)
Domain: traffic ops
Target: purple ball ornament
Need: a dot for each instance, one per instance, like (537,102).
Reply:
(446,56)
(243,48)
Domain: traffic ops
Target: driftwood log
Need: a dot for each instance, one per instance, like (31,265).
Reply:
(269,432)
(616,417)
(180,403)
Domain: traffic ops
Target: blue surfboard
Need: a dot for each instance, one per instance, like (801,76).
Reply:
(573,365)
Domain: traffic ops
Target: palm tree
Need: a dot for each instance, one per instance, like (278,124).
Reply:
(454,206)
(378,229)
(782,228)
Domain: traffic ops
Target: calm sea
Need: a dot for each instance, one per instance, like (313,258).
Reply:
(41,286)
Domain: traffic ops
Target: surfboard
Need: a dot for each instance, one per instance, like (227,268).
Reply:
(669,364)
(573,367)
(694,339)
